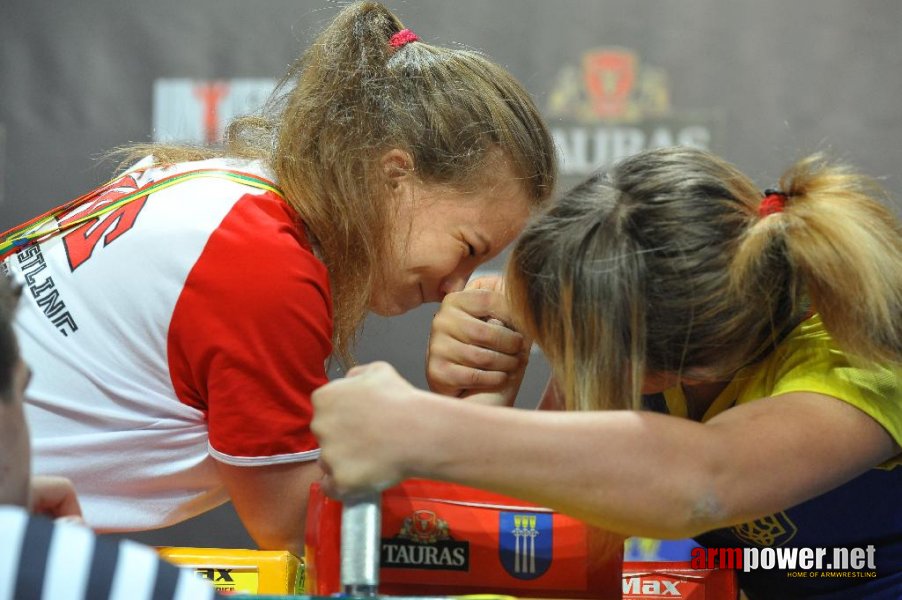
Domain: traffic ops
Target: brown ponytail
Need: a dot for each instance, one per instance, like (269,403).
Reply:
(326,149)
(350,98)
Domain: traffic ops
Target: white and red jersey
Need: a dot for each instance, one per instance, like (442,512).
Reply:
(187,325)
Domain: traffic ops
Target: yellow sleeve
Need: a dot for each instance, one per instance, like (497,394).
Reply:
(811,362)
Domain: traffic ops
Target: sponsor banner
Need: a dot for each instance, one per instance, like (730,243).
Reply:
(197,111)
(478,544)
(236,571)
(240,580)
(645,580)
(444,539)
(613,105)
(425,543)
(584,148)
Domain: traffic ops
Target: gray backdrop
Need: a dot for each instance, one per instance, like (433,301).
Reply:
(761,82)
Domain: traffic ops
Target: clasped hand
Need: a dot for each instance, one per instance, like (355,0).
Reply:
(373,426)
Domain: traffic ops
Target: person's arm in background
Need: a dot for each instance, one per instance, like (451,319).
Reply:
(635,473)
(624,470)
(55,497)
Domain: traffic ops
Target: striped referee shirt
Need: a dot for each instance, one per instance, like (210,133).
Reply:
(40,558)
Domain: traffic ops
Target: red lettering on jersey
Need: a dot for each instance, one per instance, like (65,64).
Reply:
(81,241)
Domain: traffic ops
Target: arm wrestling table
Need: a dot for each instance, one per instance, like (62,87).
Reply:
(426,539)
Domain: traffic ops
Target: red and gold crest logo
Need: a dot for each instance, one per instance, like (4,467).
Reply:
(612,85)
(609,77)
(425,527)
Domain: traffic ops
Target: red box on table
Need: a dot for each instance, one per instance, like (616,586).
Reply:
(446,539)
(643,580)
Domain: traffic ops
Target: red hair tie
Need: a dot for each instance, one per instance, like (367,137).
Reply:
(774,201)
(403,37)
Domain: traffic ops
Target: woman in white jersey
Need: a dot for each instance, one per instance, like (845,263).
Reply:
(61,559)
(182,314)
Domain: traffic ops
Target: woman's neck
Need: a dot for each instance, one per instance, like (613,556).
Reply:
(700,395)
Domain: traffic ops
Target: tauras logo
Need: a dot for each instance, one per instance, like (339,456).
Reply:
(639,586)
(425,543)
(447,555)
(584,148)
(612,105)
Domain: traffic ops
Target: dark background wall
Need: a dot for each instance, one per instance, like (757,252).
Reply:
(761,83)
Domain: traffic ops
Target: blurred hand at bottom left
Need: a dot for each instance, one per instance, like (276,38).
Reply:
(55,497)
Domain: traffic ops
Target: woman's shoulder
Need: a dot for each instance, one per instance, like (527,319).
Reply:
(257,166)
(209,195)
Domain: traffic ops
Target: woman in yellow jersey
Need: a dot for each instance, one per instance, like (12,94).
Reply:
(729,359)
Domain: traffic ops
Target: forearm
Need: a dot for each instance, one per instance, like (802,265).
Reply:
(634,473)
(616,470)
(642,473)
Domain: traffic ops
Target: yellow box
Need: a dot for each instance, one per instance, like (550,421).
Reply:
(242,571)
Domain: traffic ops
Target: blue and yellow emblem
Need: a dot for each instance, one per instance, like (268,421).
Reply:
(769,532)
(525,543)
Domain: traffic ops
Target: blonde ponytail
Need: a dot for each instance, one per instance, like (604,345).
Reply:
(846,248)
(665,265)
